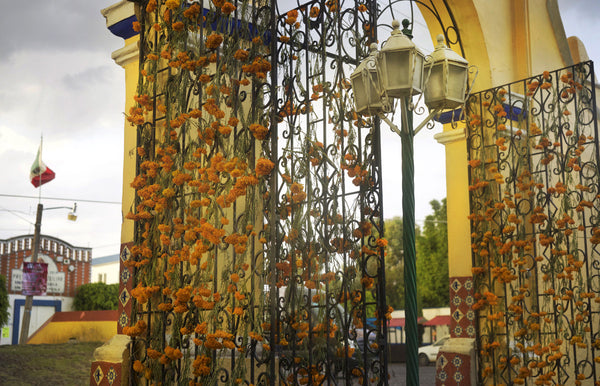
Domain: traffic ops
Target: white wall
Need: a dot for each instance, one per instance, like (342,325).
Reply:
(39,315)
(110,271)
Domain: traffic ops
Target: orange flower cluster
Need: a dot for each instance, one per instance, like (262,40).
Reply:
(259,67)
(213,41)
(138,329)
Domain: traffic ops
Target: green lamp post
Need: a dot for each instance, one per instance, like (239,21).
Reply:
(399,71)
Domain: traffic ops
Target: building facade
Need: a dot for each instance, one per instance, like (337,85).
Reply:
(68,268)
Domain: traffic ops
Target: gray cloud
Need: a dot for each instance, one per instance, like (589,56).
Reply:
(54,25)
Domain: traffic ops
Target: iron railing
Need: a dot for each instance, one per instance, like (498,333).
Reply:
(535,184)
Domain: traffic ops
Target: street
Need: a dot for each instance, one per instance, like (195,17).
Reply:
(398,374)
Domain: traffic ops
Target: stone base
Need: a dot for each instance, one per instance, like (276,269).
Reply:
(108,367)
(456,363)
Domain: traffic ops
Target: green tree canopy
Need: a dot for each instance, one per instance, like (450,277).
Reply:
(432,258)
(394,264)
(3,301)
(96,296)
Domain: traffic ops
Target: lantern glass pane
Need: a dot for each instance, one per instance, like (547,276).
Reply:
(457,82)
(418,74)
(366,94)
(435,87)
(396,71)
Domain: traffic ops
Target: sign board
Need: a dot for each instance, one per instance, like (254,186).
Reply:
(35,279)
(55,283)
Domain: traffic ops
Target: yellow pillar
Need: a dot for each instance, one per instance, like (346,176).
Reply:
(457,182)
(109,366)
(460,348)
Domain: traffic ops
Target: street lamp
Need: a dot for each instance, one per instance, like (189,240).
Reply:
(34,258)
(401,71)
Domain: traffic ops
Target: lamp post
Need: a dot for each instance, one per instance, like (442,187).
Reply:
(399,70)
(34,257)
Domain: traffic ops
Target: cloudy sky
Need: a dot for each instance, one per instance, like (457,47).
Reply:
(57,80)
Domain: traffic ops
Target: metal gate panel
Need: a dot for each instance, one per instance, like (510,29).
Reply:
(534,182)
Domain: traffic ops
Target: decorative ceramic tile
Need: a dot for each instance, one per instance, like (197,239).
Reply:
(124,296)
(458,331)
(471,331)
(457,315)
(457,377)
(469,300)
(441,361)
(125,253)
(456,301)
(125,275)
(470,315)
(123,320)
(442,376)
(453,368)
(105,374)
(455,285)
(98,375)
(111,376)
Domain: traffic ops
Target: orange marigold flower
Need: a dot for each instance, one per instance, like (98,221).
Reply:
(213,41)
(137,27)
(228,8)
(259,131)
(362,8)
(474,163)
(151,6)
(241,55)
(178,26)
(138,367)
(264,167)
(172,4)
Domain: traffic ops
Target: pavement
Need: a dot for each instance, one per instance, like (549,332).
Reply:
(397,373)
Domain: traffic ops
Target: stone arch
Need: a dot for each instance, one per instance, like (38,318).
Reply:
(505,40)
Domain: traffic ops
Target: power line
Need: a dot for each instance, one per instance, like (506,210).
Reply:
(15,214)
(62,199)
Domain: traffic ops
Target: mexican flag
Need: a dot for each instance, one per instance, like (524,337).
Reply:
(40,173)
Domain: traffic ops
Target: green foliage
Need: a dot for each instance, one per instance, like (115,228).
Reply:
(4,304)
(432,258)
(394,264)
(97,296)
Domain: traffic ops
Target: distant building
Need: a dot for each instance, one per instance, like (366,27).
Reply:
(68,268)
(105,269)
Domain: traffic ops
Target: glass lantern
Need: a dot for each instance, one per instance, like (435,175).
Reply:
(365,85)
(401,65)
(448,73)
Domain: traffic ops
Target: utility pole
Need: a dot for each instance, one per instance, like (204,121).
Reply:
(34,257)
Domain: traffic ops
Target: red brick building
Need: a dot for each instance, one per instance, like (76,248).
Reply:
(68,268)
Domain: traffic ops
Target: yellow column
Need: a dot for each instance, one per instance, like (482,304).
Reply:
(460,348)
(457,182)
(108,359)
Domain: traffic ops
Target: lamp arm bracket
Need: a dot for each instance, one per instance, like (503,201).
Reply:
(426,120)
(391,124)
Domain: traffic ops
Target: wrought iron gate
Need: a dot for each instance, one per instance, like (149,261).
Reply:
(535,188)
(259,249)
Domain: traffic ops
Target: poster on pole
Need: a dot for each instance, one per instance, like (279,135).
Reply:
(35,278)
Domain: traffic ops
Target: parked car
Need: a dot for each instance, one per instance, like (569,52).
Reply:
(428,354)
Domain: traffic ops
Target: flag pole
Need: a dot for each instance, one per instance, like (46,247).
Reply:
(26,322)
(34,256)
(40,176)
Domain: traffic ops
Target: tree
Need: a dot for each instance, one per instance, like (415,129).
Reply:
(96,296)
(394,264)
(432,258)
(4,303)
